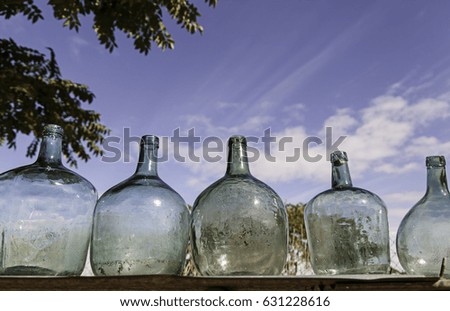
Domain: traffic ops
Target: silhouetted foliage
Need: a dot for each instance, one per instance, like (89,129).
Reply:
(32,94)
(32,91)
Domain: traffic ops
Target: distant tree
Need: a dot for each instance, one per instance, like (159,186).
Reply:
(32,91)
(298,256)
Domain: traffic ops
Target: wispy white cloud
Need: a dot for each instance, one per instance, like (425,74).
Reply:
(381,138)
(288,161)
(76,44)
(399,203)
(294,113)
(227,105)
(205,125)
(427,145)
(325,54)
(390,168)
(409,197)
(342,121)
(418,81)
(307,69)
(387,128)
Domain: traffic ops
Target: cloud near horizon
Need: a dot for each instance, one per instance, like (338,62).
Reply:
(383,137)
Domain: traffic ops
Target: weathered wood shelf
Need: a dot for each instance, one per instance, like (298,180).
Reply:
(168,283)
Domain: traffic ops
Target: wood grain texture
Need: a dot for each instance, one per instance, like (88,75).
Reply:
(168,283)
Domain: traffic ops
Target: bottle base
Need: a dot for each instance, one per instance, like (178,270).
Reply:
(136,267)
(361,270)
(34,271)
(240,273)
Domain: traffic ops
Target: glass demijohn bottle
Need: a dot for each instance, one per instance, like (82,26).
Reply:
(423,237)
(347,227)
(45,214)
(239,224)
(141,225)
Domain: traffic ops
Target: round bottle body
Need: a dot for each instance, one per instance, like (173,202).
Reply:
(423,237)
(46,221)
(141,227)
(239,227)
(348,232)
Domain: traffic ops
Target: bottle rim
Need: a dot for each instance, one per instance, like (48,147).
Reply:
(435,161)
(237,139)
(338,157)
(150,140)
(53,129)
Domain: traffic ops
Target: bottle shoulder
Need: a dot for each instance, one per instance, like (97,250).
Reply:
(248,182)
(429,209)
(345,197)
(240,188)
(139,188)
(139,182)
(36,174)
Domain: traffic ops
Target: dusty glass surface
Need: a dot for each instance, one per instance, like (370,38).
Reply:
(423,237)
(239,223)
(45,214)
(141,225)
(347,227)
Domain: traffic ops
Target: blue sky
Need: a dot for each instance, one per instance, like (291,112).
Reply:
(377,72)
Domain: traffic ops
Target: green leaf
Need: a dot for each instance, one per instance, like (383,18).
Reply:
(33,93)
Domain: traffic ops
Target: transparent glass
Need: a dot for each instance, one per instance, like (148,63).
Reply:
(141,225)
(347,227)
(240,224)
(423,237)
(45,215)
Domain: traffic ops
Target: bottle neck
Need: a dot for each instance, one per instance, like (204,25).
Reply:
(237,159)
(340,176)
(437,181)
(50,151)
(147,165)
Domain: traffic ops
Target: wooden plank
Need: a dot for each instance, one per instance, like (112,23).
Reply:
(166,282)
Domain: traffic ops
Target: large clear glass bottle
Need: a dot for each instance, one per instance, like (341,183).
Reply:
(347,227)
(141,225)
(45,214)
(240,224)
(423,237)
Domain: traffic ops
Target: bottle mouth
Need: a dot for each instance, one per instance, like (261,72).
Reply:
(53,130)
(338,157)
(150,140)
(435,161)
(237,139)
